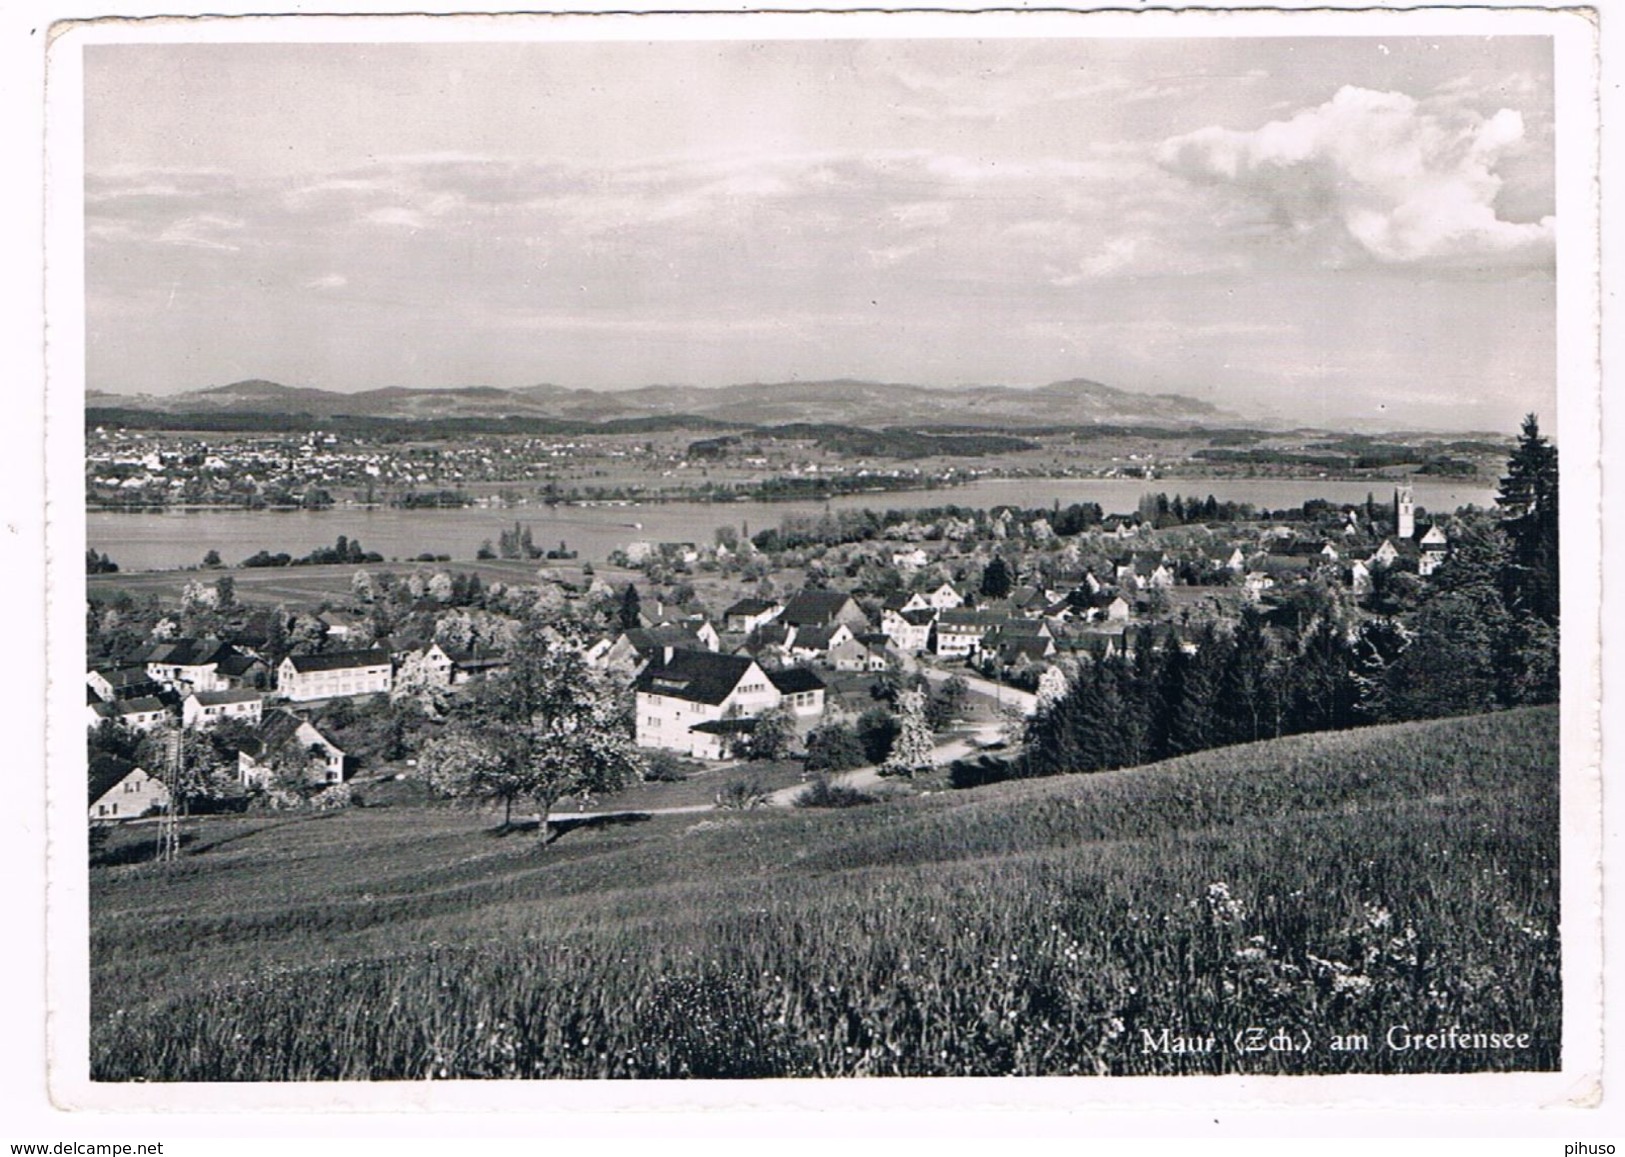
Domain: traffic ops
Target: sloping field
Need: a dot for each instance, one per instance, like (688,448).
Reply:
(1318,889)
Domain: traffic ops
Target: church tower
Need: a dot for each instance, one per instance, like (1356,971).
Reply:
(1404,513)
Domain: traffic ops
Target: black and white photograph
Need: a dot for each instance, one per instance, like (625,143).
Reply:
(660,549)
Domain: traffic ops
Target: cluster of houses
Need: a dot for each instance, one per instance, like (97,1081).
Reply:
(698,682)
(200,683)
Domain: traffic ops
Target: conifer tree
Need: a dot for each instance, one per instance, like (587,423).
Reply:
(1528,499)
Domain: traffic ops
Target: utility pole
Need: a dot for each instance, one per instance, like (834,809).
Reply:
(169,834)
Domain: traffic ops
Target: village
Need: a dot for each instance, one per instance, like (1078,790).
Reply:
(802,631)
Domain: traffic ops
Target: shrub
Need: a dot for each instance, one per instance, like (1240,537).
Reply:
(665,767)
(978,772)
(822,793)
(743,795)
(877,730)
(834,747)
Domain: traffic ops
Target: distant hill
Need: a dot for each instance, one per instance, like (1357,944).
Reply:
(838,402)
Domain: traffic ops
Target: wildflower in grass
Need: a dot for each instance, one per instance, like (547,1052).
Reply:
(1223,909)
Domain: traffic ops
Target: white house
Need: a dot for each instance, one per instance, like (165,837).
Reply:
(801,692)
(206,708)
(958,633)
(817,642)
(748,614)
(342,673)
(1435,549)
(684,699)
(945,598)
(120,790)
(185,665)
(141,714)
(909,631)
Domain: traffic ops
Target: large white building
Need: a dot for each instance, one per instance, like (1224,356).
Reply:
(688,701)
(342,673)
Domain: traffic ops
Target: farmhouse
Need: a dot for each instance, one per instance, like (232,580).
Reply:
(342,673)
(284,738)
(678,692)
(120,790)
(206,708)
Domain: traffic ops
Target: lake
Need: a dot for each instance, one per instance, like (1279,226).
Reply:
(164,541)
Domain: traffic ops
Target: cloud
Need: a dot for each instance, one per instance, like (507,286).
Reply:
(1378,170)
(204,231)
(328,281)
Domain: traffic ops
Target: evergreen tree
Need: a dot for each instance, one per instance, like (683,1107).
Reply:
(1193,698)
(1528,499)
(996,579)
(631,612)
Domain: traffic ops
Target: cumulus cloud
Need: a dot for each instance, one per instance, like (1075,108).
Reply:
(1402,181)
(328,281)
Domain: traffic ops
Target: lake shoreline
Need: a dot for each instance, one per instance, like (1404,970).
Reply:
(141,541)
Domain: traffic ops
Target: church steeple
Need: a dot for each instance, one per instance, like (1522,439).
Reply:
(1404,513)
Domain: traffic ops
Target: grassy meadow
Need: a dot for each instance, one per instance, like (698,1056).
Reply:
(1324,884)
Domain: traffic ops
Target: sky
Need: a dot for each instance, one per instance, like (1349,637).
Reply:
(1353,230)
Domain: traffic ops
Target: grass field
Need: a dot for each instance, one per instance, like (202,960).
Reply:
(1324,884)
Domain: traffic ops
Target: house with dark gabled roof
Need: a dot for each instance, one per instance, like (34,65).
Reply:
(901,601)
(815,642)
(865,654)
(142,714)
(335,675)
(112,683)
(474,662)
(243,672)
(121,790)
(677,693)
(283,736)
(749,613)
(959,632)
(801,692)
(184,665)
(813,608)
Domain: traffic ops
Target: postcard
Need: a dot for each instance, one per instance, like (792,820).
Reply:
(681,560)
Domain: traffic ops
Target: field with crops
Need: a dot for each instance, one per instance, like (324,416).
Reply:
(1319,889)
